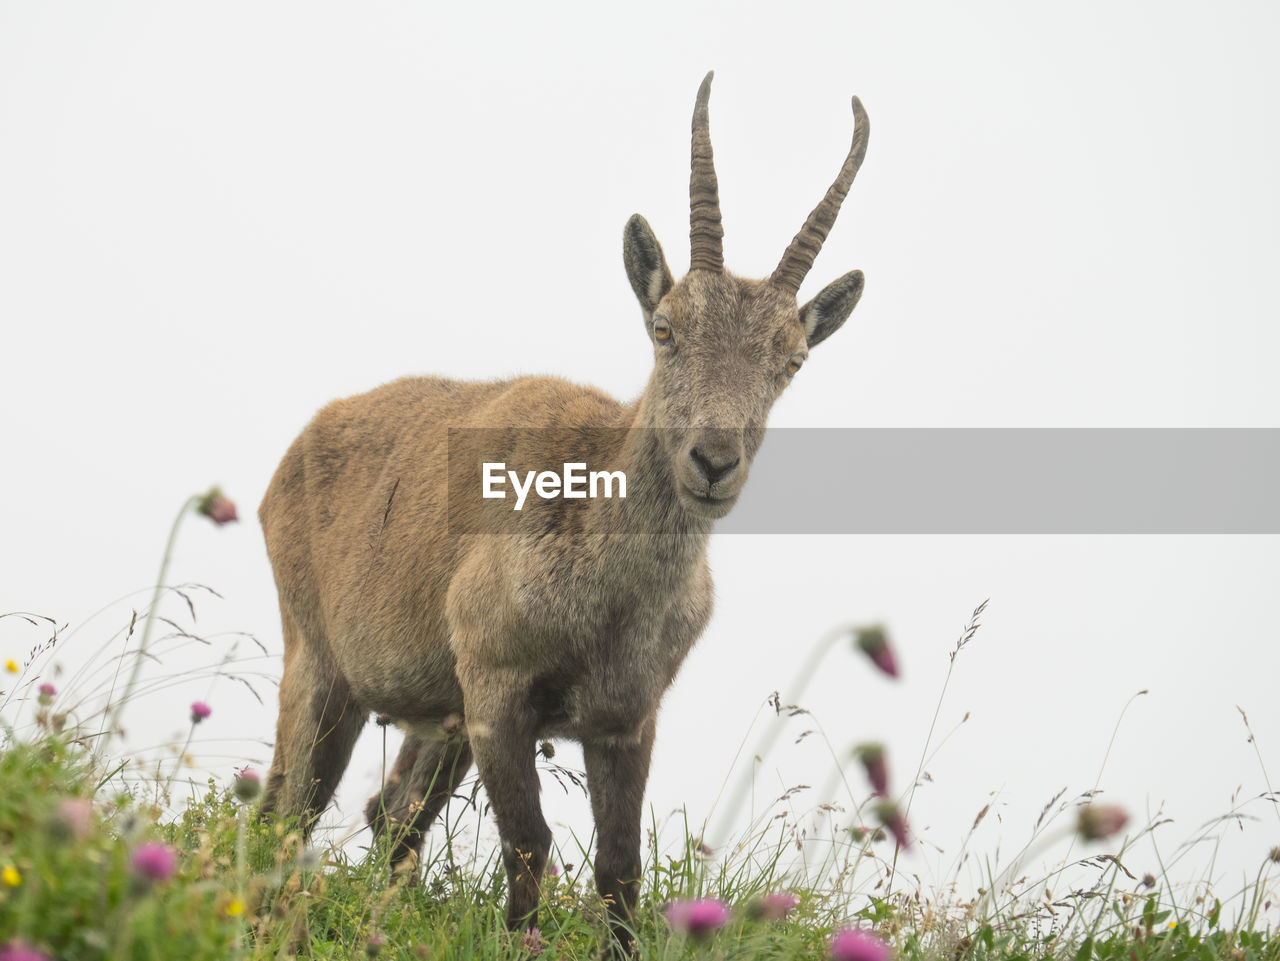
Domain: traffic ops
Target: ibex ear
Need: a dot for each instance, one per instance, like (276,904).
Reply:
(823,315)
(646,267)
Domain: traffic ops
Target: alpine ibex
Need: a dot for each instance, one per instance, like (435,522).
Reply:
(479,643)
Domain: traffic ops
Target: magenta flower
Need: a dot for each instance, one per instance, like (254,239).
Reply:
(47,691)
(698,919)
(154,861)
(872,758)
(199,711)
(1098,821)
(777,905)
(890,815)
(553,869)
(217,507)
(20,951)
(74,816)
(248,784)
(854,944)
(874,642)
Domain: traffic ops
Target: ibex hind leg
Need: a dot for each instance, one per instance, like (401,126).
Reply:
(316,731)
(425,775)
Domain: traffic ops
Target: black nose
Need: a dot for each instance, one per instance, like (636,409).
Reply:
(714,465)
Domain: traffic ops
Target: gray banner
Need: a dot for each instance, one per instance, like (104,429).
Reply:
(901,481)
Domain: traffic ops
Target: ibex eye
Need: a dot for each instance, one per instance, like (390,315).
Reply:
(794,365)
(661,330)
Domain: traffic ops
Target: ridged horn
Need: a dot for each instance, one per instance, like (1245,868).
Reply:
(705,231)
(800,255)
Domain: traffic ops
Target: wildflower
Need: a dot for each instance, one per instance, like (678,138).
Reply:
(854,944)
(20,951)
(11,666)
(1098,821)
(74,816)
(874,642)
(553,870)
(199,711)
(547,750)
(217,507)
(382,720)
(10,876)
(248,784)
(775,906)
(235,908)
(699,919)
(1275,855)
(154,861)
(871,757)
(532,941)
(374,945)
(890,815)
(47,691)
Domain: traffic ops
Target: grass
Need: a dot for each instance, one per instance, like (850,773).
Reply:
(102,859)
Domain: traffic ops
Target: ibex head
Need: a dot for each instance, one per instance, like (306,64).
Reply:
(725,347)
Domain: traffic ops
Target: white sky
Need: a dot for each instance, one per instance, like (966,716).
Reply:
(215,220)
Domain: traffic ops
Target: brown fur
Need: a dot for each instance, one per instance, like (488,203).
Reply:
(571,625)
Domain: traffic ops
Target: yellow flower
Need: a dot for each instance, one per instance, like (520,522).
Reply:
(235,908)
(11,666)
(10,874)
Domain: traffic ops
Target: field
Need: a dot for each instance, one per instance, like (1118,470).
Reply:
(107,857)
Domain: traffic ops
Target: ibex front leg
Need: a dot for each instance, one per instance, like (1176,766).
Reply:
(503,742)
(617,771)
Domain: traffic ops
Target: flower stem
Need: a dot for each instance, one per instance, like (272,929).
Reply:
(113,719)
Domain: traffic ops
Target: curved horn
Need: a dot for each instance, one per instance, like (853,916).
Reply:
(705,232)
(804,247)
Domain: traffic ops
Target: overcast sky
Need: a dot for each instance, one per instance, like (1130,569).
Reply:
(214,220)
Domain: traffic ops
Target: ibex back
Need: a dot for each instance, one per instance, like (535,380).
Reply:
(479,644)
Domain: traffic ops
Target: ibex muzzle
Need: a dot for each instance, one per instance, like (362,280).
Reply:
(481,644)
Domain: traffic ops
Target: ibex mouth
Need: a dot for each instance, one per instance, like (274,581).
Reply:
(706,504)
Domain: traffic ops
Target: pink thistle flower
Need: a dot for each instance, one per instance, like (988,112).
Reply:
(890,815)
(154,861)
(532,941)
(375,945)
(248,784)
(1098,821)
(872,758)
(199,711)
(553,869)
(21,951)
(47,691)
(874,642)
(854,944)
(75,815)
(777,905)
(217,507)
(699,919)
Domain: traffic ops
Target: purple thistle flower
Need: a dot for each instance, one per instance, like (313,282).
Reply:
(199,711)
(217,507)
(874,642)
(872,758)
(1098,821)
(75,815)
(553,869)
(890,815)
(21,951)
(777,905)
(47,691)
(854,944)
(699,919)
(248,784)
(154,861)
(532,941)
